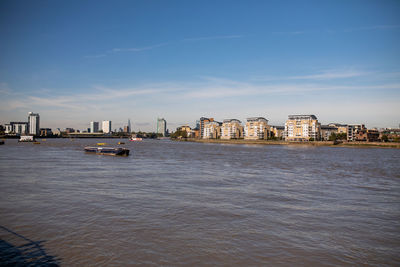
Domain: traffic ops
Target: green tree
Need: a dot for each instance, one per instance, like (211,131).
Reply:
(333,137)
(385,138)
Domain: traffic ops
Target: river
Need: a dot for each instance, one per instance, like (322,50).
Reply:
(182,203)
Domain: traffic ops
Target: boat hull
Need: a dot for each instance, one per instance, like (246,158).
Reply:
(110,151)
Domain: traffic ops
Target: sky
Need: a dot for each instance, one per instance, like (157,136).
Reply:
(79,61)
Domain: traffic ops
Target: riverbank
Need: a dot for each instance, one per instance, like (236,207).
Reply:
(280,142)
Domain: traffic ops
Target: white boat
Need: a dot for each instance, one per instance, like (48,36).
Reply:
(26,138)
(135,139)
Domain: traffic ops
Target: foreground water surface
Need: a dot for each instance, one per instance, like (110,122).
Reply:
(180,203)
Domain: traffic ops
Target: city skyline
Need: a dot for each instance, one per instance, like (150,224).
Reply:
(184,60)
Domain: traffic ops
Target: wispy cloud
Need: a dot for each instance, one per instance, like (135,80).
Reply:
(212,38)
(330,74)
(150,47)
(370,28)
(290,33)
(138,49)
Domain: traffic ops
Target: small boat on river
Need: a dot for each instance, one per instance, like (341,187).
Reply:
(119,151)
(135,139)
(26,138)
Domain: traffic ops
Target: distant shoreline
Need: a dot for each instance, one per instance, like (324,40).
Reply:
(280,142)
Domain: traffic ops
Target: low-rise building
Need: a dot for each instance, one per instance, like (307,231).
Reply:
(45,132)
(366,135)
(327,131)
(257,128)
(278,131)
(302,128)
(341,128)
(390,134)
(185,128)
(212,130)
(353,129)
(231,129)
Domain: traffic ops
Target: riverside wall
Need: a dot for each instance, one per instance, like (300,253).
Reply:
(280,142)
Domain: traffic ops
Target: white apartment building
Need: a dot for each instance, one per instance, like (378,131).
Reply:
(211,130)
(302,128)
(34,123)
(106,127)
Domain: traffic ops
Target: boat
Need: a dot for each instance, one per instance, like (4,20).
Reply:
(119,151)
(135,139)
(26,138)
(101,144)
(121,143)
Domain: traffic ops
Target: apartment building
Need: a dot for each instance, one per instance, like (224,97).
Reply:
(19,128)
(185,128)
(327,131)
(231,129)
(212,130)
(34,123)
(353,129)
(106,127)
(278,131)
(202,122)
(341,128)
(302,128)
(257,128)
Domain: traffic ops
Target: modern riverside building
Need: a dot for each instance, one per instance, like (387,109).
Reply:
(327,131)
(302,128)
(45,132)
(212,130)
(341,128)
(94,126)
(278,131)
(231,129)
(162,126)
(106,127)
(19,128)
(8,128)
(353,129)
(33,123)
(203,121)
(256,128)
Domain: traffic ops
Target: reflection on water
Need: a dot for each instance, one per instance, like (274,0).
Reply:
(17,250)
(179,203)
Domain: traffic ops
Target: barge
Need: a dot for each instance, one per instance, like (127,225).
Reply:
(119,151)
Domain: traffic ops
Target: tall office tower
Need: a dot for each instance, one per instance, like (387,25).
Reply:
(94,126)
(34,123)
(129,126)
(162,126)
(106,127)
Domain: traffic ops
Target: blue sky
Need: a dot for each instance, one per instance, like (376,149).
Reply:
(80,61)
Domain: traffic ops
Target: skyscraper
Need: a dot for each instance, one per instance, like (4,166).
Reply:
(162,126)
(34,123)
(94,126)
(106,127)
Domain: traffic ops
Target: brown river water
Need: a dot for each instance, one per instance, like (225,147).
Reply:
(181,203)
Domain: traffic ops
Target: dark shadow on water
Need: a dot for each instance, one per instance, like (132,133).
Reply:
(26,253)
